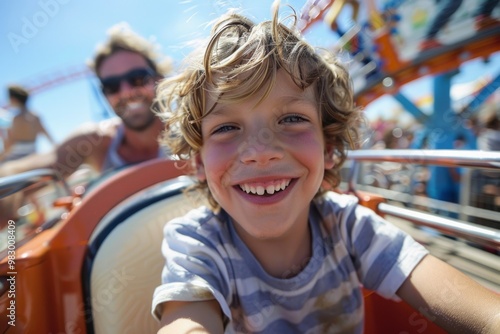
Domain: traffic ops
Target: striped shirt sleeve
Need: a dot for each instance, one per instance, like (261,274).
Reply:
(384,255)
(192,270)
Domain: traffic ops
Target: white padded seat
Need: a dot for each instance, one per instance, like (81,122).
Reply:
(127,268)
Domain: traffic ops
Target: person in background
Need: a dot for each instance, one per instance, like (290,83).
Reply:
(20,140)
(267,121)
(127,66)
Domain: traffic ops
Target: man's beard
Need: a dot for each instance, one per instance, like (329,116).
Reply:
(142,126)
(140,120)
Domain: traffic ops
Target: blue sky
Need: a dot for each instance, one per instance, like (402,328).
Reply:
(41,39)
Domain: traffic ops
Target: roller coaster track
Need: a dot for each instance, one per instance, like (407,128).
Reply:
(46,81)
(393,72)
(432,62)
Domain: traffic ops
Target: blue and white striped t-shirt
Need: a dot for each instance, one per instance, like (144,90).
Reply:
(351,247)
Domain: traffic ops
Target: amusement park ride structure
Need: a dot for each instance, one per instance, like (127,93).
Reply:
(387,69)
(44,82)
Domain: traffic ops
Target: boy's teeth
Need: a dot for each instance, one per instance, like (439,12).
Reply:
(260,190)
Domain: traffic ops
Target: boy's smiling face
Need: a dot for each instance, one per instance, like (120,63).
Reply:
(264,162)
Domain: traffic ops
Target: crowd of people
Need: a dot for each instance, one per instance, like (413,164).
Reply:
(267,121)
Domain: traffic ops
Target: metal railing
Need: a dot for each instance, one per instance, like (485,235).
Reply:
(476,233)
(22,181)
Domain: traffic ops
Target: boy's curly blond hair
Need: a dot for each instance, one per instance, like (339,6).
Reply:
(242,58)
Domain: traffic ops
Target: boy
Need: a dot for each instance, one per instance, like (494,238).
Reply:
(267,121)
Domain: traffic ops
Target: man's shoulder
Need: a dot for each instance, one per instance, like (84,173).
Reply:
(105,128)
(110,124)
(26,117)
(91,139)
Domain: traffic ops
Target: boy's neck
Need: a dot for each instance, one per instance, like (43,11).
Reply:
(285,257)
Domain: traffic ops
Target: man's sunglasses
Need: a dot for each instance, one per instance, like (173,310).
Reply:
(138,77)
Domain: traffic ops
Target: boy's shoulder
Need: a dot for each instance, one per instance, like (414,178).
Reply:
(335,209)
(336,201)
(199,220)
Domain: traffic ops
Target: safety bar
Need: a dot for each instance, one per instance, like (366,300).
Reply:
(474,232)
(14,183)
(451,158)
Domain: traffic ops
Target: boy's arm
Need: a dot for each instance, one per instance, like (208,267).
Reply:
(191,317)
(451,299)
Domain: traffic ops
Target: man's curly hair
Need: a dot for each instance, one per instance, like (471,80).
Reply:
(241,59)
(122,38)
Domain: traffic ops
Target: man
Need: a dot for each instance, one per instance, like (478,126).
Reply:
(26,126)
(128,69)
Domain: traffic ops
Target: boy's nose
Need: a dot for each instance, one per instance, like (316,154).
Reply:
(261,148)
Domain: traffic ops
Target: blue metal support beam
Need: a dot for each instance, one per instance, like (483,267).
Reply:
(446,130)
(442,123)
(408,105)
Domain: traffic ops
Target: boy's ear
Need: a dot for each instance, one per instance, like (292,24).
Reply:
(200,168)
(329,161)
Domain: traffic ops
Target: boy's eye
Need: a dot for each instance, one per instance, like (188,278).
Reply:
(293,119)
(224,129)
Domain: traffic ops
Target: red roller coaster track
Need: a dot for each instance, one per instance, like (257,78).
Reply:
(43,82)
